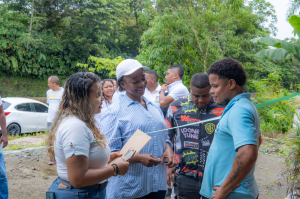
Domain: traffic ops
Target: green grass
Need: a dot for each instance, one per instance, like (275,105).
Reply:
(10,137)
(14,86)
(20,146)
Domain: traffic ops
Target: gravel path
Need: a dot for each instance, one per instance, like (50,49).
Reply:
(29,175)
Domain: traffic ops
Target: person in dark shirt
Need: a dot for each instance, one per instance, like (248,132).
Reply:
(192,143)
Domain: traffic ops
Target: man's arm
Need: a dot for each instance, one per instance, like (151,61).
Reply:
(165,101)
(242,165)
(259,141)
(4,139)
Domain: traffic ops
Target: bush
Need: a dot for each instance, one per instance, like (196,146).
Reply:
(276,118)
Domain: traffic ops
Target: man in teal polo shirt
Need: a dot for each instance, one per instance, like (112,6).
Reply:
(229,169)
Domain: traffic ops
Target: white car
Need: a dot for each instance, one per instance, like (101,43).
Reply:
(24,115)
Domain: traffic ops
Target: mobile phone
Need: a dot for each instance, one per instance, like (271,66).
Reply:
(165,160)
(50,195)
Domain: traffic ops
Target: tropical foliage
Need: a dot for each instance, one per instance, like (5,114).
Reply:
(40,38)
(281,47)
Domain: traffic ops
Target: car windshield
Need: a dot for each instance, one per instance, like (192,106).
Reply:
(5,105)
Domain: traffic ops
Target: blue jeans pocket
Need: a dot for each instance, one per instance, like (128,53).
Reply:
(61,193)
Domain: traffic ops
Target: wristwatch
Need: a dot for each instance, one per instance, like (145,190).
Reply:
(162,90)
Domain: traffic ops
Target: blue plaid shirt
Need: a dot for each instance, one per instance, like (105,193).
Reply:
(121,119)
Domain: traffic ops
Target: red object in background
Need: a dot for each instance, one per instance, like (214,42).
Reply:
(218,111)
(177,158)
(6,113)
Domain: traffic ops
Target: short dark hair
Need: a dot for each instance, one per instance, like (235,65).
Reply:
(200,80)
(179,70)
(154,73)
(54,79)
(119,84)
(229,68)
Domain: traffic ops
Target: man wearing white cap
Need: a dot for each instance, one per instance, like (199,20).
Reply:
(147,175)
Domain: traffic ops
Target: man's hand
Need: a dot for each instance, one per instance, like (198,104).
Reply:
(170,178)
(219,194)
(169,155)
(164,87)
(4,141)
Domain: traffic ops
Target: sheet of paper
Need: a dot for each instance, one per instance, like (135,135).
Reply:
(136,142)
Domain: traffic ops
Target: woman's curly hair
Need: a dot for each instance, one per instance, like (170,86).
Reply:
(76,102)
(230,69)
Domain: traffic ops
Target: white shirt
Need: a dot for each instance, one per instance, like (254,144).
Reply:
(53,99)
(71,131)
(105,105)
(0,101)
(154,96)
(177,90)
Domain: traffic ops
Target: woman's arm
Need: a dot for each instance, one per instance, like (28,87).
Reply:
(80,176)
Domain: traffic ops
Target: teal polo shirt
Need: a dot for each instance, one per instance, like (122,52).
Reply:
(238,126)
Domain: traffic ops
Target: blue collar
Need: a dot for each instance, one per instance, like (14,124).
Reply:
(128,101)
(234,100)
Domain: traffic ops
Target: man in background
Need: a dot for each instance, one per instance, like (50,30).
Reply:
(174,86)
(192,143)
(54,96)
(4,142)
(152,87)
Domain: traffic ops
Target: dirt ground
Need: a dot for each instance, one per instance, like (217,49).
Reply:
(29,175)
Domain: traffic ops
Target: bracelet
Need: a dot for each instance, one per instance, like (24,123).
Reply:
(114,166)
(116,169)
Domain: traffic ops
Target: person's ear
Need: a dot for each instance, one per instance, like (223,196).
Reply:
(153,80)
(232,84)
(122,84)
(176,76)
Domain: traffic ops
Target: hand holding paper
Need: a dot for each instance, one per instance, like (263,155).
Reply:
(134,145)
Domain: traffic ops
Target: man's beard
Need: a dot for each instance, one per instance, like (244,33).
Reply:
(225,102)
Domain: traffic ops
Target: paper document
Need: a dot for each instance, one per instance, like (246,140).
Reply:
(133,146)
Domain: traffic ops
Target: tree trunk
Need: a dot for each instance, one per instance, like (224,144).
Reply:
(32,4)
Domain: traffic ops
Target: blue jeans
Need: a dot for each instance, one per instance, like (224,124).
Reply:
(70,192)
(3,178)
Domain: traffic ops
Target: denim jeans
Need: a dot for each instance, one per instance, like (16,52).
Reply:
(70,192)
(3,178)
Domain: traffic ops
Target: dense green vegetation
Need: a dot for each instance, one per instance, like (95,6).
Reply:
(60,37)
(42,38)
(24,86)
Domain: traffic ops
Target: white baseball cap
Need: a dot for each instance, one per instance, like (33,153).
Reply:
(129,66)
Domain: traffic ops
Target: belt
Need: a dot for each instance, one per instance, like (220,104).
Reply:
(96,186)
(91,187)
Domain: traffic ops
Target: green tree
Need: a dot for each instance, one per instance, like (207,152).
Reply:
(195,34)
(104,67)
(63,33)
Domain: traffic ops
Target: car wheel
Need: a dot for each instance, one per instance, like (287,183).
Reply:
(13,129)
